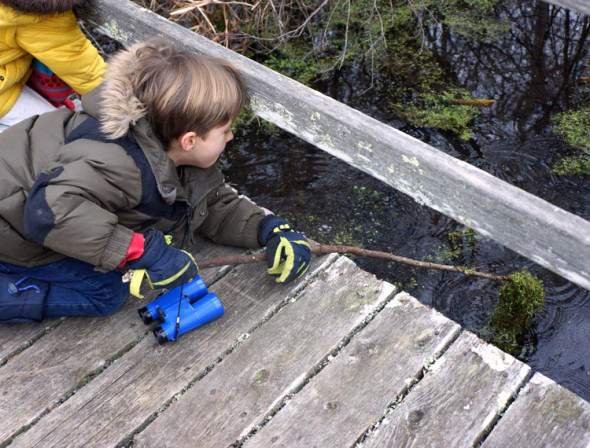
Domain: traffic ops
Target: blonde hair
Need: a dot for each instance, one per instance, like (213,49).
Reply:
(179,91)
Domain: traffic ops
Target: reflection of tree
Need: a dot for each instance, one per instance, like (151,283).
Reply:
(530,72)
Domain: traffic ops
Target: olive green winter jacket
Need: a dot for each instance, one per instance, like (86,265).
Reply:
(66,189)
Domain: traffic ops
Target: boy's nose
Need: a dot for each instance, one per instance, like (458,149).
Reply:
(230,136)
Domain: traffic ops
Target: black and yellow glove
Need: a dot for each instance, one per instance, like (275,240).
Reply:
(288,254)
(164,266)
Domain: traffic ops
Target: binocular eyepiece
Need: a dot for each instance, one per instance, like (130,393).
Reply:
(197,307)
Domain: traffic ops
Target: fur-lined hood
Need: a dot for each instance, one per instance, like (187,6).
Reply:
(41,6)
(119,108)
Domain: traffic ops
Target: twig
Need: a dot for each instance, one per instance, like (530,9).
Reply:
(199,5)
(474,102)
(323,249)
(94,41)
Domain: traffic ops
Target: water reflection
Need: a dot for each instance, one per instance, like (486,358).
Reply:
(530,73)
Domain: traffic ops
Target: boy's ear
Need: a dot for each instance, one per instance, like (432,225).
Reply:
(187,140)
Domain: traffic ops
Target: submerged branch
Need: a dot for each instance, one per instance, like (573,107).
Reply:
(475,102)
(323,249)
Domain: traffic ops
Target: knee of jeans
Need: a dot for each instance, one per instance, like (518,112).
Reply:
(111,301)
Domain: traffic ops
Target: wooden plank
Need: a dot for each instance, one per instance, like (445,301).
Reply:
(581,6)
(17,337)
(458,400)
(275,361)
(143,380)
(39,377)
(546,234)
(544,415)
(350,394)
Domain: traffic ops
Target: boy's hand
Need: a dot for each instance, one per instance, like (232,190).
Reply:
(165,266)
(288,254)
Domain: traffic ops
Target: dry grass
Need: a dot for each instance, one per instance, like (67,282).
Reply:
(239,24)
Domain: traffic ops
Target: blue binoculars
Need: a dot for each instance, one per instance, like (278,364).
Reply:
(197,307)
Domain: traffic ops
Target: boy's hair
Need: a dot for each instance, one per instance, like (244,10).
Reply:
(41,6)
(176,91)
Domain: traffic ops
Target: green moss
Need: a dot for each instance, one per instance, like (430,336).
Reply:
(293,61)
(466,234)
(520,297)
(368,199)
(432,109)
(472,18)
(569,165)
(385,44)
(459,241)
(422,92)
(574,127)
(384,41)
(345,238)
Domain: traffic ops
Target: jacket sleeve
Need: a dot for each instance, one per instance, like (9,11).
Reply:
(71,207)
(231,219)
(58,42)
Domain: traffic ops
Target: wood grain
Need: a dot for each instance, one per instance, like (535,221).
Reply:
(143,380)
(272,363)
(354,390)
(544,415)
(458,400)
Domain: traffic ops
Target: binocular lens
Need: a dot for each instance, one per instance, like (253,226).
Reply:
(145,315)
(160,335)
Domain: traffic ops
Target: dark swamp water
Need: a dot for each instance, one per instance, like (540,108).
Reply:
(531,74)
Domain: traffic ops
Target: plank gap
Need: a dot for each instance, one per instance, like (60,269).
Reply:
(128,442)
(478,443)
(316,370)
(86,380)
(406,390)
(458,399)
(29,342)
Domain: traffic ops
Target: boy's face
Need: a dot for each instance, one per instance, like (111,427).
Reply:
(204,151)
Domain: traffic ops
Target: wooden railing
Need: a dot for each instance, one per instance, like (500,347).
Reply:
(538,230)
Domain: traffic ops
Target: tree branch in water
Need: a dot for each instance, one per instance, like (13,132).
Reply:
(324,249)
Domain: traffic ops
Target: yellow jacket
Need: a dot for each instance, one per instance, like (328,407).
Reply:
(56,41)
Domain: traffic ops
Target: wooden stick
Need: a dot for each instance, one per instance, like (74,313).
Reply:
(324,249)
(474,102)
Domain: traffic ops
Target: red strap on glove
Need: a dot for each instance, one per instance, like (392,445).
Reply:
(135,250)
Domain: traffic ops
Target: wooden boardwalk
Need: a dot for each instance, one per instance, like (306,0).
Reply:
(338,359)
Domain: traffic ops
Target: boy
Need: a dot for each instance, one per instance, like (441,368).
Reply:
(48,31)
(84,194)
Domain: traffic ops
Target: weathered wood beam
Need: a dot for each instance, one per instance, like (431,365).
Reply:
(581,6)
(538,230)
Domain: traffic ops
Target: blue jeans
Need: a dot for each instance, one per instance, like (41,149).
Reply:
(75,288)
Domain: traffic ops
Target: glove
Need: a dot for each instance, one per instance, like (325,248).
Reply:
(49,86)
(163,265)
(288,254)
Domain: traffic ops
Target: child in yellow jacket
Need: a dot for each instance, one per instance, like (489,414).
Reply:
(47,31)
